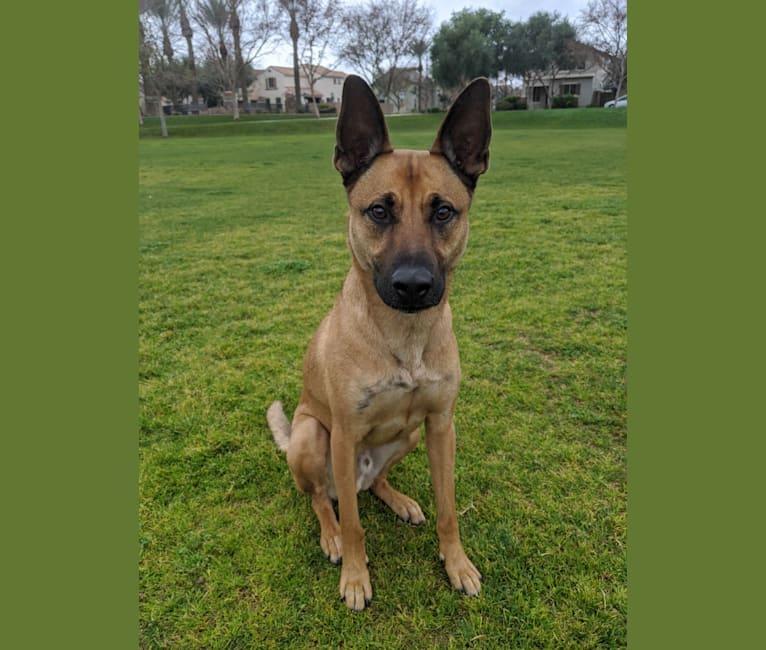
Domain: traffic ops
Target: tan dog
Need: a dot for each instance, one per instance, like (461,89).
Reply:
(385,359)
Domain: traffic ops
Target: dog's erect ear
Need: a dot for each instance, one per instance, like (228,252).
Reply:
(464,135)
(361,134)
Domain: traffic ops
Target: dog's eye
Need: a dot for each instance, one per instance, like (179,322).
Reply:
(378,212)
(443,214)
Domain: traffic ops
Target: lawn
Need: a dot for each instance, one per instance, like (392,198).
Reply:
(242,251)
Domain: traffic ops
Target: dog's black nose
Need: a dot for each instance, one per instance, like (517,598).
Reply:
(412,284)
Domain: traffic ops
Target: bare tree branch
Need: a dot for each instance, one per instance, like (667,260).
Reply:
(605,26)
(378,37)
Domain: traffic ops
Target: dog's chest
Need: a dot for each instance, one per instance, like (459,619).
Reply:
(398,403)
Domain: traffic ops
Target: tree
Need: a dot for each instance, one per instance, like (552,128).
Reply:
(548,40)
(398,81)
(212,16)
(469,45)
(419,49)
(233,43)
(149,62)
(188,34)
(235,25)
(605,26)
(146,75)
(378,37)
(519,58)
(317,21)
(291,7)
(165,13)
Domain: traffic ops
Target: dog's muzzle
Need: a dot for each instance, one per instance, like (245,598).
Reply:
(411,286)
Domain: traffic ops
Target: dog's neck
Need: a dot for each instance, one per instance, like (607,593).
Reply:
(405,335)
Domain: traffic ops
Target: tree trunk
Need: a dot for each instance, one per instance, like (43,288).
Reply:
(296,73)
(313,97)
(163,124)
(420,82)
(235,104)
(316,107)
(167,48)
(620,75)
(239,62)
(188,34)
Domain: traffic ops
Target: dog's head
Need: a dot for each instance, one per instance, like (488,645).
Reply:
(408,218)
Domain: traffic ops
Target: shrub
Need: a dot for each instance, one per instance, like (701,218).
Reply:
(324,107)
(511,103)
(565,101)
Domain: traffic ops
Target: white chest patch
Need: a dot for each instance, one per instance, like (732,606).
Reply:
(369,463)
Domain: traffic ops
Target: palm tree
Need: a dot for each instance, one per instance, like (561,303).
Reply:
(151,90)
(236,32)
(213,18)
(164,11)
(188,34)
(419,48)
(291,7)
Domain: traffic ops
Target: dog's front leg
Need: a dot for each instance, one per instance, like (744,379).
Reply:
(440,443)
(355,587)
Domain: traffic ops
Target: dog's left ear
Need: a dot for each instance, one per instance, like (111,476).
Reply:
(463,138)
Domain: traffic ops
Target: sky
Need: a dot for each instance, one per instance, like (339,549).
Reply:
(443,9)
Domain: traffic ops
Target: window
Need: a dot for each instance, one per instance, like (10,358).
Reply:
(336,81)
(570,89)
(537,94)
(271,83)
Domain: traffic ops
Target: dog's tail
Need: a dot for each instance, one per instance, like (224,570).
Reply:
(279,425)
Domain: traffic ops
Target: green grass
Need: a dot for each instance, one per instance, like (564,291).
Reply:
(242,251)
(287,124)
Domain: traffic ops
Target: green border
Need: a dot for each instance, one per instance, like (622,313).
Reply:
(696,285)
(69,343)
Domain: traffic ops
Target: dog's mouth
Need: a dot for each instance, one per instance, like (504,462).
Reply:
(411,287)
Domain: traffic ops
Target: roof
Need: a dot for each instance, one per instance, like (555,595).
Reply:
(281,69)
(320,70)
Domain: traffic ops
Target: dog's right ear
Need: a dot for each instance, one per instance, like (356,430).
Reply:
(361,134)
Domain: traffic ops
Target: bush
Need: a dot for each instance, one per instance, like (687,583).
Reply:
(511,103)
(324,107)
(565,101)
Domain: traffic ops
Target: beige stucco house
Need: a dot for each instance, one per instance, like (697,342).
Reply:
(586,81)
(274,86)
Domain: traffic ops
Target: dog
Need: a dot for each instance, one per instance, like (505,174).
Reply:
(385,358)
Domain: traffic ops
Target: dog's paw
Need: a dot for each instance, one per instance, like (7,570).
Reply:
(355,588)
(462,573)
(405,508)
(409,510)
(332,547)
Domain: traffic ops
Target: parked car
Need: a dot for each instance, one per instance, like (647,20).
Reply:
(619,102)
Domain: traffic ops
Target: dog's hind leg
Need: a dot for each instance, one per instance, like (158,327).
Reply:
(307,456)
(408,509)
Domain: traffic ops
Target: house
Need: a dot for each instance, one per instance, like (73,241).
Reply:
(274,87)
(588,80)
